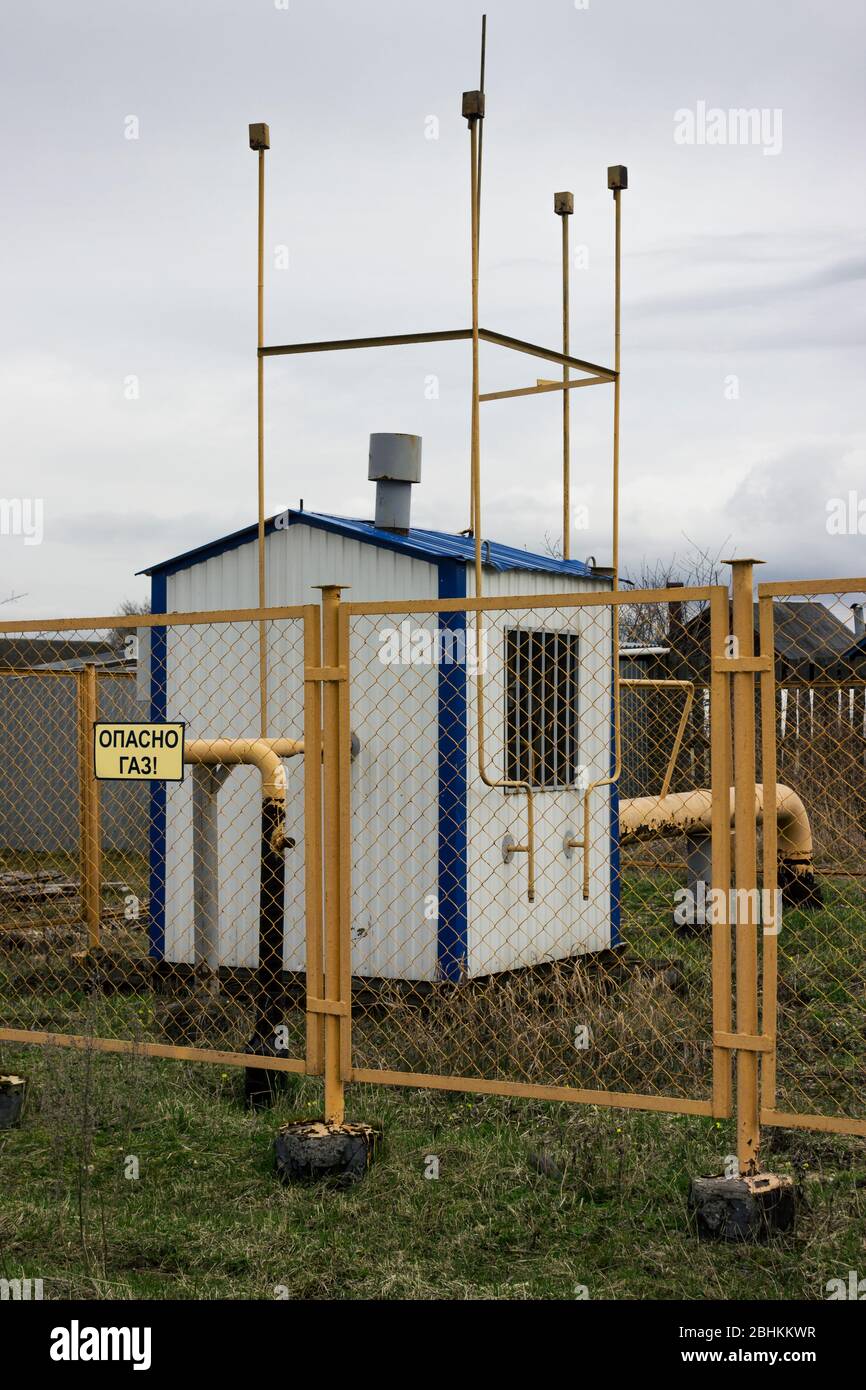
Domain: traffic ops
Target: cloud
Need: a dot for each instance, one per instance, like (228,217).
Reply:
(139,258)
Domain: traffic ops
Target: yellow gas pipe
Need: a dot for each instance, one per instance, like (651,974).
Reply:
(681,813)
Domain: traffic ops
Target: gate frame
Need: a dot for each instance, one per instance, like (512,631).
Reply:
(719,1105)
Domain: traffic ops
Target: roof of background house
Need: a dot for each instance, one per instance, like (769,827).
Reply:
(808,630)
(803,630)
(25,653)
(417,543)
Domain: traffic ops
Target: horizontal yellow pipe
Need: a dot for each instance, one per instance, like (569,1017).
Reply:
(681,813)
(264,753)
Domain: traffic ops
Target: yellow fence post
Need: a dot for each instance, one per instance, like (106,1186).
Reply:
(745,865)
(345,834)
(331,760)
(90,842)
(770,937)
(720,781)
(313,883)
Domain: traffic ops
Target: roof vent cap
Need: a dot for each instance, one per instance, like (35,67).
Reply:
(395,466)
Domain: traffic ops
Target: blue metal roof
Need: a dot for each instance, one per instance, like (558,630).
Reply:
(422,545)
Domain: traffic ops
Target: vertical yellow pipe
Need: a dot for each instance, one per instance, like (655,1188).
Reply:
(619,174)
(260,141)
(475,433)
(334,1097)
(617,721)
(473,110)
(474,443)
(745,869)
(475,438)
(563,205)
(616,389)
(481,123)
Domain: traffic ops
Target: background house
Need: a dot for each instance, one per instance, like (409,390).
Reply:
(39,738)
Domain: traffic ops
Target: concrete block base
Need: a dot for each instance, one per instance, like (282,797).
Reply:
(745,1208)
(311,1150)
(12,1089)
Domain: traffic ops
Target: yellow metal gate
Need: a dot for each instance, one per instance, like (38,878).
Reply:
(511,918)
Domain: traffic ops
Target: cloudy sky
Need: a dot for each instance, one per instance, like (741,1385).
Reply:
(134,258)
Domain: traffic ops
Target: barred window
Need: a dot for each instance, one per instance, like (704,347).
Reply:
(541,671)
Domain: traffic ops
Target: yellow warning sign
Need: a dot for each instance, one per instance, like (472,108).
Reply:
(138,752)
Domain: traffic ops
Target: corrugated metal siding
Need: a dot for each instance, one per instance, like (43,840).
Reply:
(505,929)
(513,583)
(216,693)
(297,559)
(38,733)
(395,807)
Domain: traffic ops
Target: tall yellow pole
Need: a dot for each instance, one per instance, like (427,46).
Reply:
(473,110)
(617,721)
(563,206)
(481,122)
(617,181)
(745,867)
(260,141)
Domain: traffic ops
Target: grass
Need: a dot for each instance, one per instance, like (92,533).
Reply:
(532,1200)
(648,1012)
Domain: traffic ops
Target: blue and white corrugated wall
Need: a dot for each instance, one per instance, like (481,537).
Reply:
(425,830)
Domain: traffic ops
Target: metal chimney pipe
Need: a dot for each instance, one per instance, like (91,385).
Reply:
(395,465)
(675,613)
(859,620)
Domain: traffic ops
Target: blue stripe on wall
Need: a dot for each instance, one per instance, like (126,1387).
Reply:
(453,915)
(158,705)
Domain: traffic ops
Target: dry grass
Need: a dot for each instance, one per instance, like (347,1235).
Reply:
(533,1200)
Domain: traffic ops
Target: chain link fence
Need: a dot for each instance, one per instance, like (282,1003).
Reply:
(166,914)
(476,848)
(515,917)
(813,736)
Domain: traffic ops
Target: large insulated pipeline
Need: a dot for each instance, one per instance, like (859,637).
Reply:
(690,813)
(266,754)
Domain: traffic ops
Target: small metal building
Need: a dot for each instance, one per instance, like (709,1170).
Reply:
(425,827)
